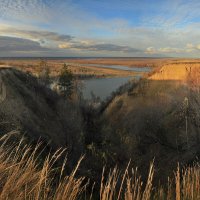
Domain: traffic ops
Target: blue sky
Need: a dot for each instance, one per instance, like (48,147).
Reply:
(100,28)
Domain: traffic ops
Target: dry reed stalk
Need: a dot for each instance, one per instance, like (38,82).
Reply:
(148,188)
(178,184)
(22,178)
(133,186)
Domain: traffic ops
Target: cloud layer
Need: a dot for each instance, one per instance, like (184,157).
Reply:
(44,40)
(100,47)
(92,28)
(16,44)
(10,47)
(35,35)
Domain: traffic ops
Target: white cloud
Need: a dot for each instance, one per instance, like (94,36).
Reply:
(198,46)
(150,50)
(190,46)
(36,35)
(173,13)
(24,10)
(65,46)
(172,50)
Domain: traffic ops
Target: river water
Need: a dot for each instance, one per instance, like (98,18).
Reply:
(103,87)
(121,67)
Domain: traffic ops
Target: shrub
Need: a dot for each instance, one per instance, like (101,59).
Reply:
(66,82)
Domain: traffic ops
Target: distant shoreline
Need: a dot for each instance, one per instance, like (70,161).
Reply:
(85,58)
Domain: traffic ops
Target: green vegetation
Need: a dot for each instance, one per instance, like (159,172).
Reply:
(66,82)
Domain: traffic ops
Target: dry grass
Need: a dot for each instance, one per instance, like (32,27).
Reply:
(89,69)
(127,188)
(193,79)
(189,186)
(86,67)
(23,177)
(55,66)
(131,62)
(184,186)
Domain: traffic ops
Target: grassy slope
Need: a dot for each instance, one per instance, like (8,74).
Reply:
(150,120)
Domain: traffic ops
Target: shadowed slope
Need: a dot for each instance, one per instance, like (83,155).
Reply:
(37,111)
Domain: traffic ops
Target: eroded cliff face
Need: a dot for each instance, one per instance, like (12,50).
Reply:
(175,72)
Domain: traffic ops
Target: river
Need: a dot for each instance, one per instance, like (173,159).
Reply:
(121,67)
(103,87)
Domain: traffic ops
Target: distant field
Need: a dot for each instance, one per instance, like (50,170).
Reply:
(132,62)
(89,69)
(32,66)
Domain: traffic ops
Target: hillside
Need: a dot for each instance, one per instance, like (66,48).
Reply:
(154,119)
(158,118)
(36,111)
(175,72)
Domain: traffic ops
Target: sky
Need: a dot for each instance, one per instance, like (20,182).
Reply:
(99,28)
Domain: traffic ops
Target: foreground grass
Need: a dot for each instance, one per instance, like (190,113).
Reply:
(22,176)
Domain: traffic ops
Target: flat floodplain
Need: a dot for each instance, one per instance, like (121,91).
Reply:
(91,67)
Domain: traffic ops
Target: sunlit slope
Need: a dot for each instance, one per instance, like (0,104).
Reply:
(150,119)
(176,72)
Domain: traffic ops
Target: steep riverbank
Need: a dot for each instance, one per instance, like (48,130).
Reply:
(150,119)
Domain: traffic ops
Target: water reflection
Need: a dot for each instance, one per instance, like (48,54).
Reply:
(121,67)
(103,87)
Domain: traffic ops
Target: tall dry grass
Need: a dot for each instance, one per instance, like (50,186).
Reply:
(24,176)
(128,187)
(185,185)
